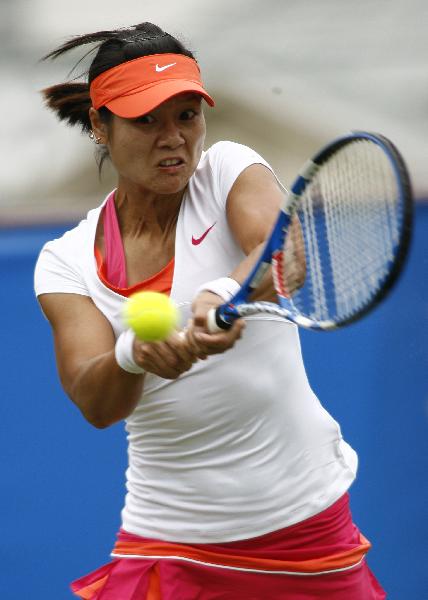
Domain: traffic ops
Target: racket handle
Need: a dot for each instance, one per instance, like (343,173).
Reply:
(215,323)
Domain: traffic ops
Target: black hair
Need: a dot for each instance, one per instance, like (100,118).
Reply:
(71,100)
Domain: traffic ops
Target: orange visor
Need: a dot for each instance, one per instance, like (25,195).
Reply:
(138,86)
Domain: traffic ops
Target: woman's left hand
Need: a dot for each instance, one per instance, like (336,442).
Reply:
(201,341)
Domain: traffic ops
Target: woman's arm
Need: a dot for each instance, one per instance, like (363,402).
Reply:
(89,373)
(252,208)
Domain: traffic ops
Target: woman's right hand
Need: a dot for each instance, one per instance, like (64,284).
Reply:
(200,340)
(167,359)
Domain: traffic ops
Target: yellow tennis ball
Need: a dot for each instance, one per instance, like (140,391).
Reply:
(151,315)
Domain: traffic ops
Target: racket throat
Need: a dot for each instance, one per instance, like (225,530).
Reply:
(258,276)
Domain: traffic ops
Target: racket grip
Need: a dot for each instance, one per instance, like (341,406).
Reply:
(215,323)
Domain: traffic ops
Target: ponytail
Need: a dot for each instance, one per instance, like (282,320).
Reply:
(71,103)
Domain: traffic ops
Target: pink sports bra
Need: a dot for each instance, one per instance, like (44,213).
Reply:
(112,269)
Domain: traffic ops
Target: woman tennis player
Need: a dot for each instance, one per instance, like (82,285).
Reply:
(237,486)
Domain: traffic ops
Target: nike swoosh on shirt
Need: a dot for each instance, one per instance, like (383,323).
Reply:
(160,69)
(197,241)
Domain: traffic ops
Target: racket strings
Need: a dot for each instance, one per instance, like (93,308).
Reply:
(350,221)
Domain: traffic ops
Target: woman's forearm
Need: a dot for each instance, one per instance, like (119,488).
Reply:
(294,266)
(104,392)
(265,290)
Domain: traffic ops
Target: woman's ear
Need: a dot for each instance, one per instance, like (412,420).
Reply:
(99,128)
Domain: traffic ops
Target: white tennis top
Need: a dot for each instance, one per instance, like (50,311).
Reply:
(240,445)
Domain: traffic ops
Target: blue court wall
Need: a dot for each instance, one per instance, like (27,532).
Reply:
(62,481)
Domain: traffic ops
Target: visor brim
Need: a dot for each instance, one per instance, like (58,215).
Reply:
(146,99)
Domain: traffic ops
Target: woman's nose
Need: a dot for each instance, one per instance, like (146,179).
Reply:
(171,135)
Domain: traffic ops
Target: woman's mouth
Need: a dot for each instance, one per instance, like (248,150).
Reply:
(172,164)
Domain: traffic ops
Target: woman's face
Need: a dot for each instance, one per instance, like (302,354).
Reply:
(159,151)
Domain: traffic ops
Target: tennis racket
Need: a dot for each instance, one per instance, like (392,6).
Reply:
(340,241)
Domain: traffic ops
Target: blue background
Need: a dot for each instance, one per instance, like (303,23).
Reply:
(62,481)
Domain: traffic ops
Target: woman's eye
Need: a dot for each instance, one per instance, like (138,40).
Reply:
(145,119)
(187,115)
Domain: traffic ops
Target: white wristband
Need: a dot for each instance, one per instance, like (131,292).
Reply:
(225,287)
(124,354)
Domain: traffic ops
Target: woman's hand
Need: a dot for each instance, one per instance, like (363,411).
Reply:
(178,353)
(168,359)
(199,339)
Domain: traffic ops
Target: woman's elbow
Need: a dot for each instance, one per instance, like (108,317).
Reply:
(97,419)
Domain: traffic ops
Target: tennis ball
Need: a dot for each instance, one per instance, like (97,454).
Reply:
(151,315)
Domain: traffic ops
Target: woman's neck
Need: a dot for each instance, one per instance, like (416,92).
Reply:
(140,213)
